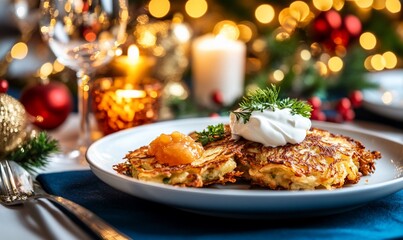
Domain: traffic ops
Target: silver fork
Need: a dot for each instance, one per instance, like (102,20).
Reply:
(16,187)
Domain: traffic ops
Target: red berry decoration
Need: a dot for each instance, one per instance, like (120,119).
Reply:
(343,105)
(315,102)
(318,115)
(356,98)
(348,115)
(217,98)
(48,104)
(3,86)
(214,115)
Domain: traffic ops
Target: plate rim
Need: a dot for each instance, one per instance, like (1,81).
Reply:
(257,192)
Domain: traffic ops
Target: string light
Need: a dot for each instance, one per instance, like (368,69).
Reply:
(393,6)
(196,8)
(367,40)
(245,31)
(364,3)
(57,66)
(278,75)
(390,60)
(159,8)
(323,5)
(305,55)
(338,4)
(335,64)
(387,97)
(378,62)
(264,13)
(19,50)
(45,70)
(227,29)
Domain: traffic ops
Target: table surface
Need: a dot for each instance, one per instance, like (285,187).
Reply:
(42,220)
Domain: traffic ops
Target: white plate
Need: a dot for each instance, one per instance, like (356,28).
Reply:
(387,100)
(245,203)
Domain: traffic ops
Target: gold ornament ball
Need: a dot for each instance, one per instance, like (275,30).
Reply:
(13,122)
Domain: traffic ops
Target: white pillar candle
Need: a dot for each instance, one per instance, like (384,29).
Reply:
(218,66)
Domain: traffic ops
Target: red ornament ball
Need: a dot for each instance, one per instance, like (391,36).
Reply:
(48,104)
(3,86)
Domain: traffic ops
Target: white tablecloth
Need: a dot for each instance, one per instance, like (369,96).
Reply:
(42,220)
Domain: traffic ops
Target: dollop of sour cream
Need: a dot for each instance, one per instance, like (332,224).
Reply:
(271,128)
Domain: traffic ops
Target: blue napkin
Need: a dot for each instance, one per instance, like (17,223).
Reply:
(141,219)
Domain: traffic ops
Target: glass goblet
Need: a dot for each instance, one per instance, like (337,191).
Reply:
(83,34)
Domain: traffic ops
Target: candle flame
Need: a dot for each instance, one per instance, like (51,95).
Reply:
(130,93)
(133,53)
(226,29)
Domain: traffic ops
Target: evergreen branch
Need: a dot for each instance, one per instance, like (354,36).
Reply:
(267,99)
(34,153)
(211,134)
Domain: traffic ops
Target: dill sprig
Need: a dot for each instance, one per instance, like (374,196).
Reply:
(267,99)
(211,134)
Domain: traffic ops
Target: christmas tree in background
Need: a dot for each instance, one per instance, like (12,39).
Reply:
(311,49)
(318,49)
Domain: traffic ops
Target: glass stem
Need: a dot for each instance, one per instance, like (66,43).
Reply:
(83,109)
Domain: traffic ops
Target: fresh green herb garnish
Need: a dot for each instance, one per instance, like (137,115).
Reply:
(263,99)
(34,153)
(211,134)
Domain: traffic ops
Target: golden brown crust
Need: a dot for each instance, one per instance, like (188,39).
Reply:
(322,160)
(216,166)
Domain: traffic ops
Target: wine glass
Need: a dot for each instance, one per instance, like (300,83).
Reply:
(26,15)
(83,34)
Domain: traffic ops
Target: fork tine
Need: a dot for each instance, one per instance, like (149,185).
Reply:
(11,178)
(5,184)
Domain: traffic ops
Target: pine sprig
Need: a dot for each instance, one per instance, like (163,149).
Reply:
(267,99)
(34,153)
(211,134)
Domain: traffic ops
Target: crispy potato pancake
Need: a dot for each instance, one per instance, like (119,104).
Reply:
(217,165)
(322,161)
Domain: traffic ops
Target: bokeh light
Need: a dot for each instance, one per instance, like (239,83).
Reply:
(387,97)
(45,70)
(264,13)
(321,68)
(378,63)
(378,4)
(323,5)
(393,6)
(390,60)
(196,8)
(159,8)
(278,75)
(299,10)
(57,66)
(227,29)
(335,64)
(19,50)
(338,4)
(247,30)
(305,55)
(367,40)
(364,3)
